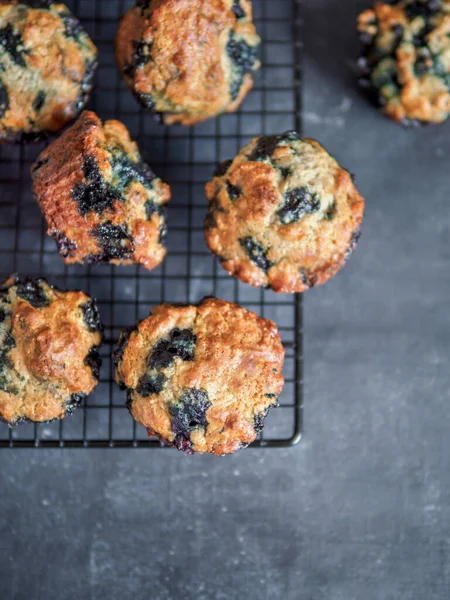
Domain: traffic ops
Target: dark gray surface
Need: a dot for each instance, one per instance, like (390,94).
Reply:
(361,508)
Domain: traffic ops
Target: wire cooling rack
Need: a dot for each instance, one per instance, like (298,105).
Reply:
(186,158)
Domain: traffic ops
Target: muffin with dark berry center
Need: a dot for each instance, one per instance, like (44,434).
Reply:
(405,63)
(47,64)
(102,203)
(48,350)
(283,214)
(188,60)
(201,378)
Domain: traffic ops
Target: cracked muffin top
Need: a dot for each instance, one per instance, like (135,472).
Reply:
(406,59)
(48,350)
(283,214)
(201,378)
(102,203)
(188,60)
(47,64)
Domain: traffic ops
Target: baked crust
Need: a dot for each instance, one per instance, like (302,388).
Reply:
(47,64)
(188,60)
(100,201)
(283,214)
(201,378)
(48,350)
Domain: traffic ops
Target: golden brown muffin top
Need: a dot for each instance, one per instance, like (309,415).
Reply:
(406,58)
(188,59)
(48,350)
(47,63)
(202,378)
(283,214)
(102,203)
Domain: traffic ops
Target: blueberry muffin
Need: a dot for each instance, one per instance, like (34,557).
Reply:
(47,64)
(102,204)
(188,60)
(406,59)
(283,214)
(48,350)
(201,378)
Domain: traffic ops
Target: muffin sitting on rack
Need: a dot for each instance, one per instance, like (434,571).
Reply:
(47,63)
(189,60)
(283,214)
(48,350)
(405,63)
(102,203)
(201,378)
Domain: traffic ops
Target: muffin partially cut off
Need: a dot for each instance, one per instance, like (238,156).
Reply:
(48,350)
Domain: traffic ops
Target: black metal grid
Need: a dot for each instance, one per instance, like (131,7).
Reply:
(186,158)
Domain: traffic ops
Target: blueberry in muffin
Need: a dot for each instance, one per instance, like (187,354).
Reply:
(405,62)
(102,203)
(202,378)
(47,64)
(48,350)
(283,214)
(188,60)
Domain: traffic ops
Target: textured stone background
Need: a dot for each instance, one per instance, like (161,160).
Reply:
(361,508)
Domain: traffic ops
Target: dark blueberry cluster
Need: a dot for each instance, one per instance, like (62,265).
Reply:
(298,203)
(187,414)
(306,278)
(73,403)
(151,384)
(31,291)
(222,168)
(94,194)
(146,100)
(4,99)
(330,213)
(39,101)
(234,191)
(143,4)
(180,344)
(258,422)
(86,85)
(353,242)
(256,253)
(214,207)
(284,172)
(266,145)
(5,364)
(115,241)
(237,9)
(150,209)
(94,361)
(12,43)
(126,170)
(373,80)
(422,8)
(65,246)
(243,57)
(91,316)
(122,344)
(37,3)
(73,28)
(142,55)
